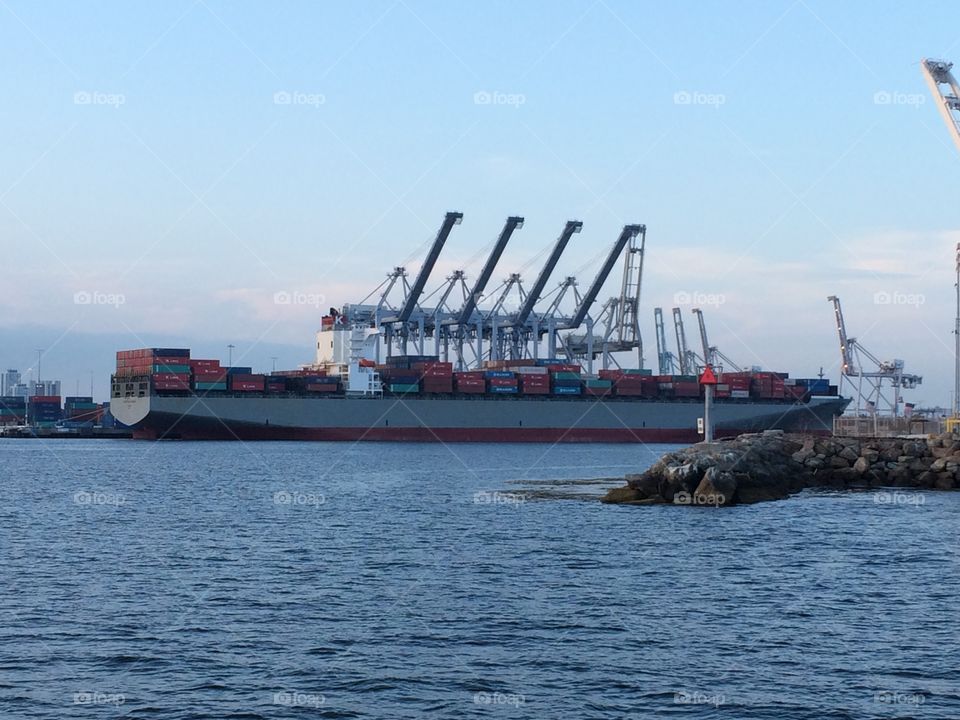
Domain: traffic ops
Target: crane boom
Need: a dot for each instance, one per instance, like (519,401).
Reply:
(626,235)
(682,351)
(572,227)
(513,223)
(707,354)
(845,354)
(451,219)
(937,73)
(663,354)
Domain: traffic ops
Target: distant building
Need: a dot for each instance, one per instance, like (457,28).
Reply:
(45,387)
(8,381)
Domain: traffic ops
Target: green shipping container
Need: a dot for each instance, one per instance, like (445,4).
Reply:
(174,369)
(211,386)
(564,375)
(641,371)
(599,383)
(405,388)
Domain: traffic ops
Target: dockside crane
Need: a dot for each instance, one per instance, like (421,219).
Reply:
(413,292)
(469,322)
(666,360)
(945,90)
(687,358)
(618,318)
(711,354)
(870,384)
(521,331)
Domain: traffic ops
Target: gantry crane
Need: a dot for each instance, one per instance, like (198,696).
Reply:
(666,360)
(873,397)
(712,354)
(451,314)
(687,358)
(946,91)
(619,315)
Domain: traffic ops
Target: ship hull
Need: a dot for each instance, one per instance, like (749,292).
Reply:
(460,420)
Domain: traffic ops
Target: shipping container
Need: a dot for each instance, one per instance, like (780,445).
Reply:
(566,390)
(404,387)
(211,386)
(321,388)
(239,370)
(741,394)
(503,389)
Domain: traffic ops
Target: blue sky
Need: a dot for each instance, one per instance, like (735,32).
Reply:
(148,155)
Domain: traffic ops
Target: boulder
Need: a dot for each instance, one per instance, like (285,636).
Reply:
(848,453)
(718,487)
(861,466)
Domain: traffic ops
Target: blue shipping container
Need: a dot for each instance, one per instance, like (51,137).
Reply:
(498,374)
(503,390)
(566,390)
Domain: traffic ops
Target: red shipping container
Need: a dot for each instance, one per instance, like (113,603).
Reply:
(564,368)
(536,390)
(471,389)
(275,387)
(503,382)
(201,365)
(172,377)
(45,398)
(322,387)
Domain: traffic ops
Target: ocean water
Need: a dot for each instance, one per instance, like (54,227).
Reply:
(276,580)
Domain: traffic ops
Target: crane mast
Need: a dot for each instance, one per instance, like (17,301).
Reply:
(945,90)
(665,361)
(707,350)
(687,362)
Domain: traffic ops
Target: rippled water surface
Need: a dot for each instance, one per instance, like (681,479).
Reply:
(278,580)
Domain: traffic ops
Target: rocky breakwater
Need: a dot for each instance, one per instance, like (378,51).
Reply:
(773,465)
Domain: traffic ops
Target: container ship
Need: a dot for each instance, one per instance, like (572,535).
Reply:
(485,379)
(164,393)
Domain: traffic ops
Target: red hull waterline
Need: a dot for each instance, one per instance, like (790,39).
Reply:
(424,434)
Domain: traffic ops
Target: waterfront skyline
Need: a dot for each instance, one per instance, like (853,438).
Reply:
(172,169)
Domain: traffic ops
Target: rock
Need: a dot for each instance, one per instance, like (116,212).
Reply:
(944,482)
(647,485)
(771,466)
(848,453)
(718,487)
(622,495)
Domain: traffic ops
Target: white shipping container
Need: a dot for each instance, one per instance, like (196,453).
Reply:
(739,393)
